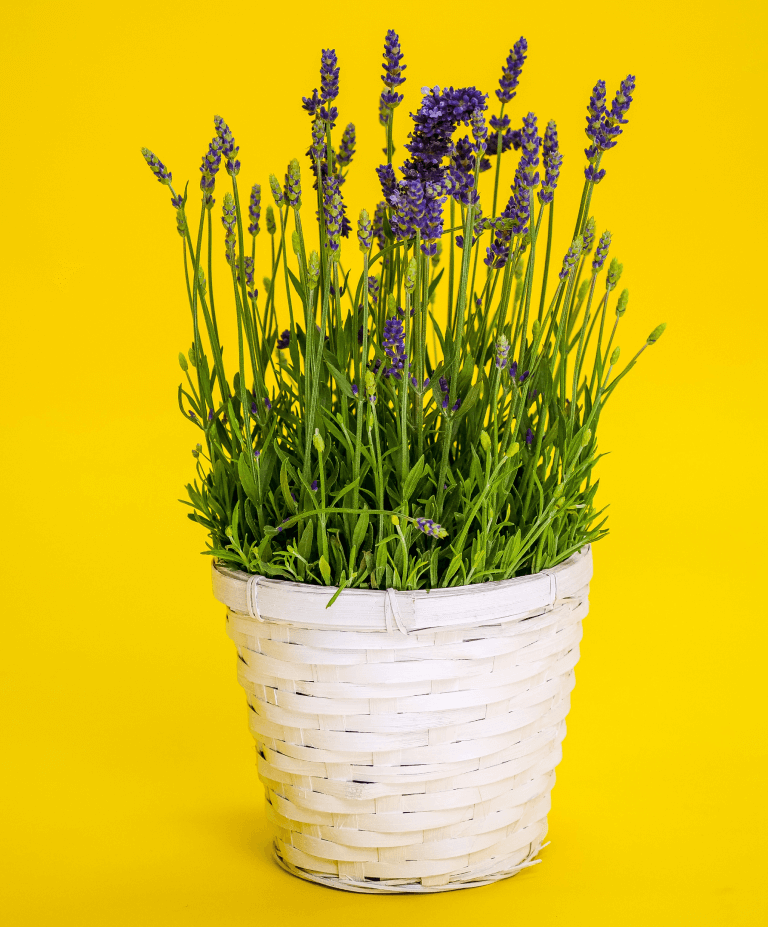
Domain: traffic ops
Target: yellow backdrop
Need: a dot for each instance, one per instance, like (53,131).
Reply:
(129,785)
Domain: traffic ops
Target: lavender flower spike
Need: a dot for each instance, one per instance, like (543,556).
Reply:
(157,167)
(364,231)
(553,161)
(209,168)
(393,71)
(254,210)
(572,256)
(329,86)
(228,147)
(601,253)
(431,528)
(293,184)
(347,147)
(283,341)
(510,75)
(502,351)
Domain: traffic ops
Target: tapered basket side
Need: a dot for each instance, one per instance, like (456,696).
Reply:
(407,741)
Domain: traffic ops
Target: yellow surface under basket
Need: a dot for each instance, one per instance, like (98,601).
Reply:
(407,741)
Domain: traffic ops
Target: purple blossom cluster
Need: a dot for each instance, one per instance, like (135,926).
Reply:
(510,75)
(393,343)
(209,168)
(603,125)
(553,161)
(254,209)
(393,73)
(228,147)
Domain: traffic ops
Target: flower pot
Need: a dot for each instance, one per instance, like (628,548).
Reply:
(407,741)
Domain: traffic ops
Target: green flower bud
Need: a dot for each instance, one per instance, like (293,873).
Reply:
(621,306)
(485,441)
(614,275)
(181,222)
(313,271)
(271,224)
(192,356)
(370,384)
(293,184)
(410,276)
(536,328)
(317,440)
(513,450)
(395,521)
(587,437)
(656,333)
(183,362)
(392,303)
(267,283)
(277,192)
(588,236)
(615,356)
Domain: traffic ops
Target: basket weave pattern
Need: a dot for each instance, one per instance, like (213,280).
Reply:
(408,762)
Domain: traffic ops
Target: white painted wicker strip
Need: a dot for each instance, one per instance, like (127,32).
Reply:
(407,741)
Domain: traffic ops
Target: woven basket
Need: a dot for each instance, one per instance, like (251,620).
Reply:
(407,741)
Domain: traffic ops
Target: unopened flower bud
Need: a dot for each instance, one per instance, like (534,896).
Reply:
(395,521)
(364,231)
(271,225)
(391,303)
(317,440)
(313,271)
(657,333)
(587,437)
(410,276)
(614,275)
(615,355)
(183,362)
(621,306)
(485,441)
(293,184)
(277,192)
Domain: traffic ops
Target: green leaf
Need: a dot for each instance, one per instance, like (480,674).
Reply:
(413,479)
(297,285)
(361,527)
(469,400)
(341,379)
(246,479)
(305,544)
(285,487)
(325,569)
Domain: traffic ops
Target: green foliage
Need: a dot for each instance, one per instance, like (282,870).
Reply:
(318,464)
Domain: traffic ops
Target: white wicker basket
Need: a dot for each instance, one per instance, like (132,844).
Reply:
(407,741)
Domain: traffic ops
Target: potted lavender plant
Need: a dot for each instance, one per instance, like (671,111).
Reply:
(398,488)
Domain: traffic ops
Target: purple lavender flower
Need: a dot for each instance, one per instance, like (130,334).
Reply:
(462,170)
(479,129)
(529,160)
(228,220)
(384,113)
(254,209)
(431,528)
(511,138)
(373,289)
(571,257)
(178,201)
(313,485)
(364,231)
(333,210)
(267,403)
(524,376)
(588,236)
(311,104)
(510,75)
(355,389)
(529,437)
(157,167)
(601,252)
(329,85)
(257,454)
(387,179)
(293,184)
(553,161)
(209,168)
(393,72)
(228,147)
(393,342)
(513,370)
(347,147)
(502,352)
(284,340)
(445,385)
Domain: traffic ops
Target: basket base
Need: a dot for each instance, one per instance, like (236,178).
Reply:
(400,886)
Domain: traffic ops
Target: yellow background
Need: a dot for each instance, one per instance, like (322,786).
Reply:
(128,780)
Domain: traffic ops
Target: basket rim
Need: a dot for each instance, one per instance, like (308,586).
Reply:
(306,605)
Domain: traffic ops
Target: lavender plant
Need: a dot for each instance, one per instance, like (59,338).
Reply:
(392,436)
